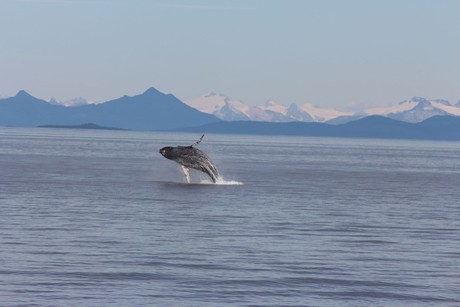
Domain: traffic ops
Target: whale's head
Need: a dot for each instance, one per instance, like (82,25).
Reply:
(166,152)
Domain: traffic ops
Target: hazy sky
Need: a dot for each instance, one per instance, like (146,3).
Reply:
(331,53)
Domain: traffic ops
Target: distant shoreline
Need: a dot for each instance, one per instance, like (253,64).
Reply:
(88,126)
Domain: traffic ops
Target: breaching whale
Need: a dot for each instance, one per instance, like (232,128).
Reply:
(190,157)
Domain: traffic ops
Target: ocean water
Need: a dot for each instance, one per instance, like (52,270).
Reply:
(100,218)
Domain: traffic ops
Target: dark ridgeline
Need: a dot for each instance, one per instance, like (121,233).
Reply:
(151,110)
(434,128)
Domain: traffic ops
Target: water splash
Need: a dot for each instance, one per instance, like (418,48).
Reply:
(222,181)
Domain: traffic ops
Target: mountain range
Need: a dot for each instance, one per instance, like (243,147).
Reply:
(231,110)
(414,110)
(417,118)
(151,110)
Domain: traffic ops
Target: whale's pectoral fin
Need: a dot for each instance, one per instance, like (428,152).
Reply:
(211,172)
(186,171)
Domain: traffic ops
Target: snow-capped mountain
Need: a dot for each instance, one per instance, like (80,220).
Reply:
(323,114)
(416,110)
(75,102)
(230,110)
(220,106)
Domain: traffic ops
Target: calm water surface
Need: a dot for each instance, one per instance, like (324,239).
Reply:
(99,218)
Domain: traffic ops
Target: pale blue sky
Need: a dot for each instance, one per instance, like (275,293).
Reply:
(333,53)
